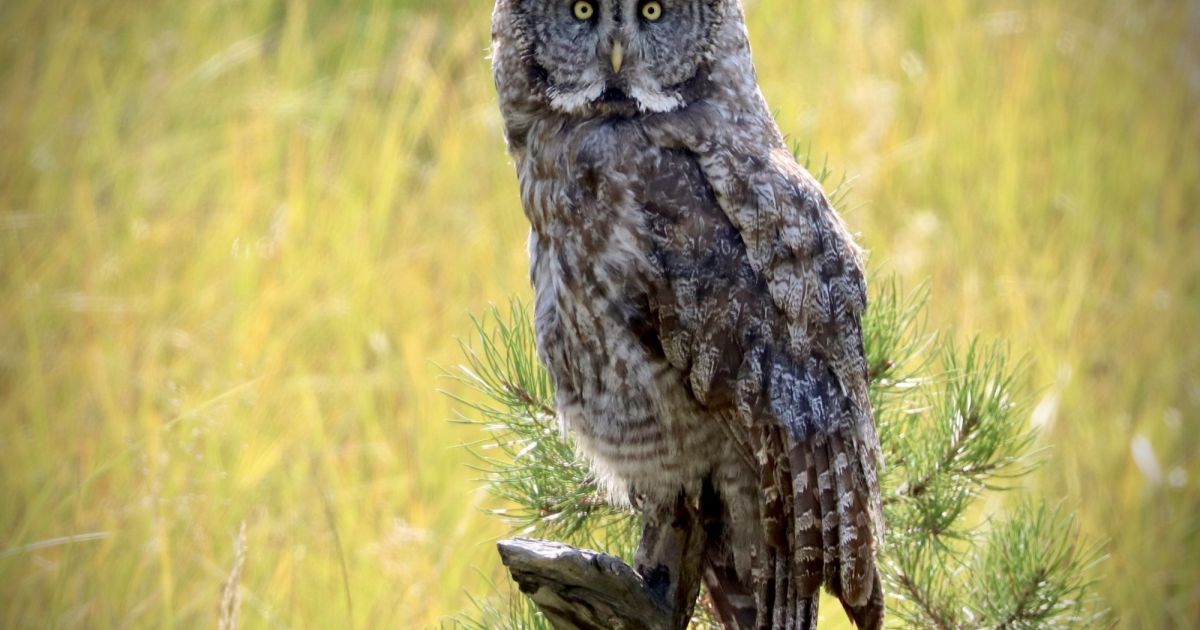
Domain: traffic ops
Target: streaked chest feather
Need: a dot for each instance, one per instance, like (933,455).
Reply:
(591,267)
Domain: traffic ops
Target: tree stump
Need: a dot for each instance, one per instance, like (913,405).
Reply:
(588,590)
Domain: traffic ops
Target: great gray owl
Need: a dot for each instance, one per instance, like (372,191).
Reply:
(698,301)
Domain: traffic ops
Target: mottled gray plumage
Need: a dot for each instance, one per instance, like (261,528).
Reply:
(699,302)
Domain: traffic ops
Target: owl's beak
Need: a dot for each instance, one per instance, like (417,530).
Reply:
(618,56)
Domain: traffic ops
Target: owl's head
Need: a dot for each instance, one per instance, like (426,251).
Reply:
(606,57)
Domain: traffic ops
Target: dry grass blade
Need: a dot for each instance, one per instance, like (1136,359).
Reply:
(231,592)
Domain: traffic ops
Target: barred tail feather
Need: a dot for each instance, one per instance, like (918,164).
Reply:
(832,526)
(855,550)
(806,506)
(732,599)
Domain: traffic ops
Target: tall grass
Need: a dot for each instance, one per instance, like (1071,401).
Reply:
(237,238)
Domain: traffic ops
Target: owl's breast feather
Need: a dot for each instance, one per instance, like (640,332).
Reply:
(593,265)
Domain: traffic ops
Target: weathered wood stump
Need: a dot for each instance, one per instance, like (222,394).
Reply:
(588,590)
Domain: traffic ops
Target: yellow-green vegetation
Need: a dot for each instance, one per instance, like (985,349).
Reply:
(238,238)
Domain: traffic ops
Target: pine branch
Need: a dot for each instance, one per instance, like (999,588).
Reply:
(1047,575)
(933,614)
(965,439)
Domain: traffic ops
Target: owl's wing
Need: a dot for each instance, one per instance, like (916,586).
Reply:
(759,302)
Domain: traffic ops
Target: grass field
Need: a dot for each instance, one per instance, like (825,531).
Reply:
(237,238)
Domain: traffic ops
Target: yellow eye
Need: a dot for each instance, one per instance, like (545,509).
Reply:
(584,10)
(652,11)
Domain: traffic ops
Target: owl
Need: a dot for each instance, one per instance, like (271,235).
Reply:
(698,301)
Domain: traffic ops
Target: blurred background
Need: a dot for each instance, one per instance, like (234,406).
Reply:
(238,238)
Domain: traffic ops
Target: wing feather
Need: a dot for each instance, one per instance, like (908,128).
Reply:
(761,301)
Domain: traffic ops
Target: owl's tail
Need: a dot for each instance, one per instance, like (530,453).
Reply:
(829,523)
(773,605)
(815,529)
(763,597)
(737,608)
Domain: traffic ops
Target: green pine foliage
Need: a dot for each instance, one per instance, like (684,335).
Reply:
(954,427)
